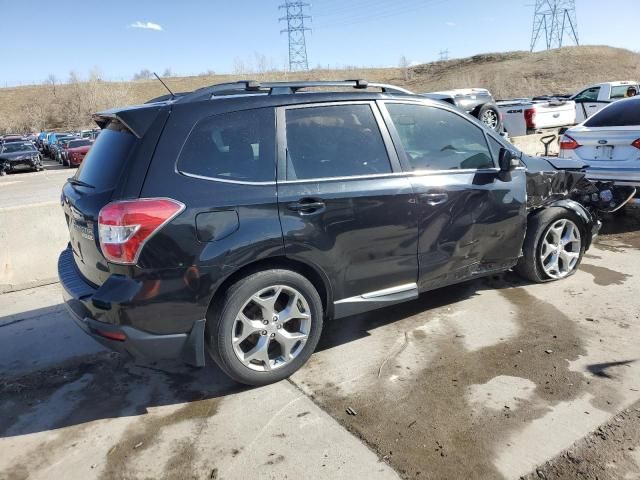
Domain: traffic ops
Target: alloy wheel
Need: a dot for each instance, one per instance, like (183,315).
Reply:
(490,119)
(560,249)
(271,328)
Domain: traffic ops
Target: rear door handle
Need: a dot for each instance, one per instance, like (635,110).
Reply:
(307,205)
(434,199)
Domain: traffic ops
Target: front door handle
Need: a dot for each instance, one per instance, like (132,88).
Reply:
(307,205)
(434,199)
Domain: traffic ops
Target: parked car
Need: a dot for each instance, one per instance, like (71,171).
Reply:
(524,116)
(52,139)
(475,101)
(16,156)
(13,138)
(237,218)
(608,142)
(74,151)
(55,148)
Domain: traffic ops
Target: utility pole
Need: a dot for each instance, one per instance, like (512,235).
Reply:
(444,55)
(295,30)
(555,19)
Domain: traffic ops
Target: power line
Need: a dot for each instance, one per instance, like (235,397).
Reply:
(554,19)
(295,18)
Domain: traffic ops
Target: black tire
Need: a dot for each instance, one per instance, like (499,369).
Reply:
(222,316)
(487,111)
(530,265)
(2,173)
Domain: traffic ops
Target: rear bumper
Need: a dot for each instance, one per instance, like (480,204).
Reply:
(629,177)
(78,297)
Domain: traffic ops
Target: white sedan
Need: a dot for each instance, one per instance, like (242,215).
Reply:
(609,143)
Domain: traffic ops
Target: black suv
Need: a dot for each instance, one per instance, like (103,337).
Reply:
(235,219)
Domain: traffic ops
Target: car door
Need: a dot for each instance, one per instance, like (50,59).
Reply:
(472,216)
(345,207)
(587,103)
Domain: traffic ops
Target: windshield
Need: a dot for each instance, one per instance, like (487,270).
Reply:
(623,113)
(79,143)
(18,147)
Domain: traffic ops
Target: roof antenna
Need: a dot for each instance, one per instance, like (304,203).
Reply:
(173,95)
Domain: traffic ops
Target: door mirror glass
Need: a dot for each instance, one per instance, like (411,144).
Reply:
(507,160)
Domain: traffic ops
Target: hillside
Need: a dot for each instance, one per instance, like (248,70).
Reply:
(511,74)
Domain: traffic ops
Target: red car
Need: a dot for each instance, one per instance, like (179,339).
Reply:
(74,152)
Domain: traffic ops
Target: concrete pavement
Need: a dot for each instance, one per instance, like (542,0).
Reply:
(482,380)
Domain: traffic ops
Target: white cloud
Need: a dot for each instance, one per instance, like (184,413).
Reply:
(146,26)
(450,24)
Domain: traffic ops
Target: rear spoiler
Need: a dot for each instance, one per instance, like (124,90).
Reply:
(137,119)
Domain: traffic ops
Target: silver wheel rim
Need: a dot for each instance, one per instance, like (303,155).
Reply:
(271,328)
(560,249)
(490,119)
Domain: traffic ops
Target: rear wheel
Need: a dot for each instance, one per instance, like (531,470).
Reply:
(265,327)
(553,247)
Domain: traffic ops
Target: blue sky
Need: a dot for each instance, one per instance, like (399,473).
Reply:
(192,36)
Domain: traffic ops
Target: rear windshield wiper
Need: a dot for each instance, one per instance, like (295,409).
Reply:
(80,183)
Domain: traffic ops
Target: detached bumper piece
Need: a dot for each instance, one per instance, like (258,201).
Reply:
(78,296)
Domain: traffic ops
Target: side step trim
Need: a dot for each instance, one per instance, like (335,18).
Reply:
(376,299)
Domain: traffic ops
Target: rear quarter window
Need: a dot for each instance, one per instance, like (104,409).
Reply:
(103,164)
(622,113)
(236,146)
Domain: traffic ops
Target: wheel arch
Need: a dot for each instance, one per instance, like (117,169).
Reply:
(580,211)
(310,272)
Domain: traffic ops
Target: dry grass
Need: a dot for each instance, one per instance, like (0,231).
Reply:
(512,74)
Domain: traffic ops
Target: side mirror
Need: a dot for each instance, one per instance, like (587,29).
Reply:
(507,161)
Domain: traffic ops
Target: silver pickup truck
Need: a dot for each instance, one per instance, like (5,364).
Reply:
(475,101)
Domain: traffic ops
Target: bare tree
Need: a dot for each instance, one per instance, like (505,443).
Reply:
(144,74)
(52,80)
(167,72)
(404,67)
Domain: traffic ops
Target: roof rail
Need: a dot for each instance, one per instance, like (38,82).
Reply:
(282,88)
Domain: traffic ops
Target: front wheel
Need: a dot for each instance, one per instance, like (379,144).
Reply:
(265,327)
(553,247)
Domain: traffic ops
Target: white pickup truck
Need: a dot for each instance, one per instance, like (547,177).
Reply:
(522,116)
(595,97)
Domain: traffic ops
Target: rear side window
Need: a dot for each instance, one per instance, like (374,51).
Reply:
(622,113)
(103,164)
(334,141)
(238,146)
(620,91)
(437,139)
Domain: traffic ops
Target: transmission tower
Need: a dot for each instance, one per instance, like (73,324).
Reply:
(296,29)
(444,55)
(555,19)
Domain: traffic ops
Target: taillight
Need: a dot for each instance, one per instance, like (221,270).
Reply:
(636,143)
(568,143)
(530,118)
(125,226)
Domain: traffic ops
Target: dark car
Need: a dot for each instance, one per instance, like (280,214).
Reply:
(16,156)
(237,218)
(74,151)
(13,139)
